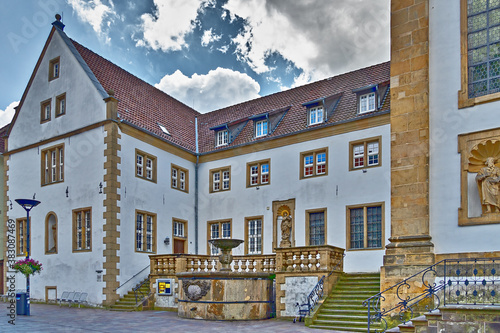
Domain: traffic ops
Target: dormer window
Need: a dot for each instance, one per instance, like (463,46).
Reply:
(316,115)
(222,138)
(367,102)
(371,98)
(261,128)
(54,69)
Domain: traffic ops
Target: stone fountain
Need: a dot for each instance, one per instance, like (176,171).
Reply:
(224,294)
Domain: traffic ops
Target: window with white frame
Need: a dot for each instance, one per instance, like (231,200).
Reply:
(367,102)
(45,111)
(53,165)
(179,228)
(254,236)
(216,230)
(365,153)
(316,115)
(60,105)
(82,229)
(145,165)
(261,128)
(145,232)
(54,69)
(258,173)
(22,236)
(180,178)
(222,138)
(314,163)
(220,179)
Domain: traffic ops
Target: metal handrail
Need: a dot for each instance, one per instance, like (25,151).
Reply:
(138,287)
(317,292)
(142,270)
(458,276)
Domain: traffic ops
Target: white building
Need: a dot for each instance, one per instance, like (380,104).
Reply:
(123,171)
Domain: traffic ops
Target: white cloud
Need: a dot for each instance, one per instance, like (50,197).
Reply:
(166,28)
(209,37)
(94,12)
(223,48)
(217,89)
(323,38)
(7,114)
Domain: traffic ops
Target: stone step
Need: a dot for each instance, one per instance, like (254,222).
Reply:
(343,309)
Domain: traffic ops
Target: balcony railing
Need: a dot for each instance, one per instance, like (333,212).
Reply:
(295,259)
(474,281)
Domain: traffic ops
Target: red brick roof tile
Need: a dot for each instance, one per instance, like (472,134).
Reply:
(296,118)
(141,104)
(145,106)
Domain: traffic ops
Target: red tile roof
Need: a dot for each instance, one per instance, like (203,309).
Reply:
(141,104)
(145,106)
(296,118)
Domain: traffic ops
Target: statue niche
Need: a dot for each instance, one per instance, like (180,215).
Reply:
(482,160)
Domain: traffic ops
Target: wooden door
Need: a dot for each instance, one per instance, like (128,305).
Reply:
(179,245)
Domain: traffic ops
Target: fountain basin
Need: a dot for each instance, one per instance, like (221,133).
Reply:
(225,295)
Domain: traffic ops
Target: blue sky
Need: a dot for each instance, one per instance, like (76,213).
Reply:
(207,53)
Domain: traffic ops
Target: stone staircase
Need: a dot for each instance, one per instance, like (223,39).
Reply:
(343,309)
(127,302)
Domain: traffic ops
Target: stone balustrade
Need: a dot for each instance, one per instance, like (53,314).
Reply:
(293,259)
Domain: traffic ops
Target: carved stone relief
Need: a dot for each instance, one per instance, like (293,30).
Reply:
(195,290)
(483,157)
(479,177)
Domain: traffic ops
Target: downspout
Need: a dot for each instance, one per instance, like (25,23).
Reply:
(196,188)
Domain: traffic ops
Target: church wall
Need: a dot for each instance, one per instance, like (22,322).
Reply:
(447,122)
(354,188)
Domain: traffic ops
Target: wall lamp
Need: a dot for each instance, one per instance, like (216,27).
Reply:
(166,241)
(100,188)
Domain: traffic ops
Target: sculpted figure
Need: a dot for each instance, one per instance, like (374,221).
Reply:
(488,183)
(286,227)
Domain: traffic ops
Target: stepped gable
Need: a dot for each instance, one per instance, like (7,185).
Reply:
(295,120)
(141,104)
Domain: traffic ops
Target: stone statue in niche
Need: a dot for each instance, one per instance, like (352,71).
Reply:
(286,227)
(488,183)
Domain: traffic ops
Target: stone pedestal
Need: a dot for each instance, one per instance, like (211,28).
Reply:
(225,295)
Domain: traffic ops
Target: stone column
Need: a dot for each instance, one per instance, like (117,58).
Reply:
(410,249)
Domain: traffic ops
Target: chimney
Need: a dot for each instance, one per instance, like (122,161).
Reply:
(57,23)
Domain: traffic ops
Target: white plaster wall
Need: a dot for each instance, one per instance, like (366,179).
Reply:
(82,99)
(158,198)
(446,123)
(297,289)
(83,170)
(354,187)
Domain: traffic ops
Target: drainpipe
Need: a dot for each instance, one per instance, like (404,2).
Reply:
(196,188)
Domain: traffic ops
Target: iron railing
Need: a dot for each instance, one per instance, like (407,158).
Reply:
(124,283)
(138,291)
(317,292)
(474,281)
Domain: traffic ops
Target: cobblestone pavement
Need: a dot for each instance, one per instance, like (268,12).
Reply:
(52,318)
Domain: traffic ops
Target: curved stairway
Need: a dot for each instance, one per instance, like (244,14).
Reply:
(343,309)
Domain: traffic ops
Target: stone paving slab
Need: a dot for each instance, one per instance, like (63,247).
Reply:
(52,318)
